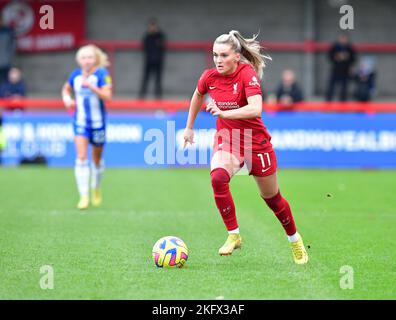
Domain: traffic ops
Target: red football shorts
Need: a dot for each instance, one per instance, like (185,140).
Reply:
(260,163)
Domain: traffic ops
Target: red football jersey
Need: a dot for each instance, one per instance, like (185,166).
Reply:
(231,92)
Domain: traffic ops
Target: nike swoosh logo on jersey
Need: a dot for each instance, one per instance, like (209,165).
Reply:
(263,170)
(211,88)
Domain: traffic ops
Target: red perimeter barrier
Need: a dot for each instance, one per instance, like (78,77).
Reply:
(183,105)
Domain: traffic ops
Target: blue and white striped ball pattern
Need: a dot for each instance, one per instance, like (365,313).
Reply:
(170,251)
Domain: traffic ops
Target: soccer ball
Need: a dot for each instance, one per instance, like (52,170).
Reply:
(170,251)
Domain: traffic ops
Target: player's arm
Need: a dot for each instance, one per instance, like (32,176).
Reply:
(67,95)
(253,109)
(104,93)
(195,105)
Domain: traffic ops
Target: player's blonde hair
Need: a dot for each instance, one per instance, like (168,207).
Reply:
(249,48)
(102,60)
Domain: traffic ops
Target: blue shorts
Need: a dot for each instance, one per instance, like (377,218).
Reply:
(96,136)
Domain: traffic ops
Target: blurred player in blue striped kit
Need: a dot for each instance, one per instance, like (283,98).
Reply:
(87,88)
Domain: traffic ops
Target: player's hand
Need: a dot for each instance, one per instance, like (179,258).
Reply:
(214,109)
(188,136)
(68,101)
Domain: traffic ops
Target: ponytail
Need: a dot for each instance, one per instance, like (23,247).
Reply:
(248,48)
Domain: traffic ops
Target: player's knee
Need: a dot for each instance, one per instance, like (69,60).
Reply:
(267,194)
(220,178)
(82,156)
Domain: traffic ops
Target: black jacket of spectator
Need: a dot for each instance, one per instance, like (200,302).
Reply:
(342,67)
(365,86)
(154,52)
(9,89)
(7,50)
(154,47)
(293,91)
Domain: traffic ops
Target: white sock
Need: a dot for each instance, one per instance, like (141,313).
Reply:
(81,171)
(96,174)
(293,238)
(234,231)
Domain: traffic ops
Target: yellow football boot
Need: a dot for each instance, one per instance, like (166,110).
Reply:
(83,203)
(234,241)
(300,255)
(96,197)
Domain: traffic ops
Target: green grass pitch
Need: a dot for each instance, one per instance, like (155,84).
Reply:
(346,218)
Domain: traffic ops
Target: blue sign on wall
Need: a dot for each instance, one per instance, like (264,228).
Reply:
(334,140)
(320,140)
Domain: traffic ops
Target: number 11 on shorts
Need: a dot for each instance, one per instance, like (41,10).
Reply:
(265,157)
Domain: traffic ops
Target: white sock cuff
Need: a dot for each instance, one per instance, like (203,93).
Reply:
(293,238)
(234,231)
(81,163)
(100,166)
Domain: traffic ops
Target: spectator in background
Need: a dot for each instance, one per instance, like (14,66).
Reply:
(288,92)
(7,49)
(14,87)
(342,56)
(154,52)
(365,80)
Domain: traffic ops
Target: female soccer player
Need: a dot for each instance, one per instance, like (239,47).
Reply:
(241,136)
(91,85)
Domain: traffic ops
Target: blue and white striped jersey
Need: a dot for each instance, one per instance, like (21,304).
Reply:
(90,109)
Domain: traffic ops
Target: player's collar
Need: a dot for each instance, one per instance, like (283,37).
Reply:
(234,72)
(90,73)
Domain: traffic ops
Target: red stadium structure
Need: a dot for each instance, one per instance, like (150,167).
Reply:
(180,105)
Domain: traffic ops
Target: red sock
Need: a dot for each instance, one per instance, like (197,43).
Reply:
(223,198)
(282,211)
